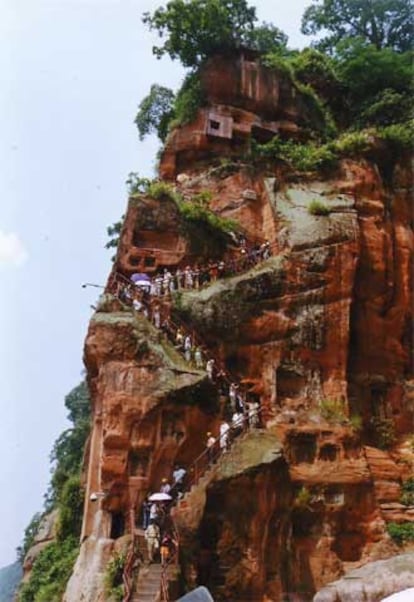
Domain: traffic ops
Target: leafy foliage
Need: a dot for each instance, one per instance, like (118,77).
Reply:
(50,572)
(189,98)
(407,493)
(29,535)
(207,232)
(162,190)
(352,144)
(332,410)
(401,533)
(136,184)
(54,564)
(318,207)
(266,38)
(383,431)
(382,23)
(317,70)
(113,232)
(387,107)
(366,73)
(398,137)
(155,112)
(355,420)
(303,498)
(303,157)
(70,508)
(113,576)
(67,452)
(196,29)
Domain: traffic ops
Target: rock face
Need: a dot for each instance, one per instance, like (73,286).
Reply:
(319,333)
(372,582)
(45,534)
(243,99)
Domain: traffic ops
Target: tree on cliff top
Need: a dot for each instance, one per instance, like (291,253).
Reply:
(193,30)
(382,23)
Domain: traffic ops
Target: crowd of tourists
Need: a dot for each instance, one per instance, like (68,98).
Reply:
(194,277)
(156,522)
(239,408)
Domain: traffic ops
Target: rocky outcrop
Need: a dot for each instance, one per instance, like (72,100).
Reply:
(372,582)
(147,404)
(243,99)
(319,333)
(45,534)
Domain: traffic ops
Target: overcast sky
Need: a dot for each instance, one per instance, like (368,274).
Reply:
(72,74)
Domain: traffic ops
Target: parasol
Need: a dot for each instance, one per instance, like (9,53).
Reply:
(160,497)
(141,279)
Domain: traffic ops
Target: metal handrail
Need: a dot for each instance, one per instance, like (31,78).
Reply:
(174,559)
(177,324)
(127,574)
(240,264)
(208,457)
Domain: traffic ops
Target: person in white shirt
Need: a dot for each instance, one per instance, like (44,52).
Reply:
(237,422)
(210,369)
(224,436)
(165,486)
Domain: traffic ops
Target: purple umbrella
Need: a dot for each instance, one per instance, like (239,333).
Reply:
(140,278)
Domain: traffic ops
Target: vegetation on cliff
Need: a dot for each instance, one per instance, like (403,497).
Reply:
(53,565)
(358,78)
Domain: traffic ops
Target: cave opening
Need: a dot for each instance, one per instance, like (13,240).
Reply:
(328,452)
(138,463)
(117,525)
(348,546)
(289,383)
(302,447)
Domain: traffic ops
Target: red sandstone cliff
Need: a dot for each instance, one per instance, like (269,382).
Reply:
(319,332)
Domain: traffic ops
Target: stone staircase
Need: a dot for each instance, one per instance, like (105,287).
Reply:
(147,588)
(188,510)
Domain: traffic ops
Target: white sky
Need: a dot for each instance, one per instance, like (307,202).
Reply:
(72,74)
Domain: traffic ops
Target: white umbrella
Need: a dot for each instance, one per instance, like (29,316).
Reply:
(160,497)
(142,283)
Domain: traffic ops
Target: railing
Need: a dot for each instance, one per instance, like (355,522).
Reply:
(210,456)
(164,585)
(174,325)
(127,574)
(233,266)
(117,284)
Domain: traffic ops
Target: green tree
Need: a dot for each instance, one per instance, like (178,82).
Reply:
(195,29)
(366,73)
(51,571)
(113,232)
(266,38)
(67,452)
(155,112)
(317,70)
(70,508)
(383,23)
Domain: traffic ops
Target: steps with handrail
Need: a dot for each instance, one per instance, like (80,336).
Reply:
(152,580)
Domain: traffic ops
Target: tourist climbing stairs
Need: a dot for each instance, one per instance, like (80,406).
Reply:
(151,583)
(194,497)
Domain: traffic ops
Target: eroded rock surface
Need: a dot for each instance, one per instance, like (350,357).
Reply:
(319,333)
